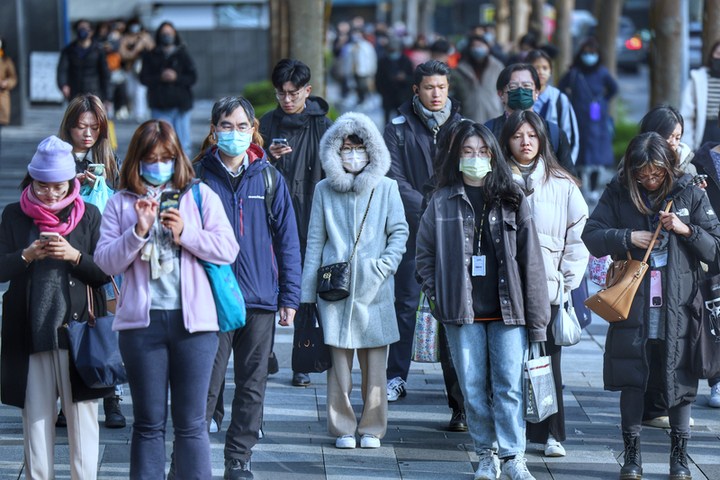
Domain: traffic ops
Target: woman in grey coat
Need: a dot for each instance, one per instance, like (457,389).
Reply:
(356,203)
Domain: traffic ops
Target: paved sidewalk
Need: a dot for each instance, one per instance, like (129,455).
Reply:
(296,444)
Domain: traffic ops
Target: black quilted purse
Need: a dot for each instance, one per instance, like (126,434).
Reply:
(334,280)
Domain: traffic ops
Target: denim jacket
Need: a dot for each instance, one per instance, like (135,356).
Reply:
(522,290)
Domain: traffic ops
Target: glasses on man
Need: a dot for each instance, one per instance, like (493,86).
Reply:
(51,191)
(165,159)
(244,128)
(650,178)
(514,86)
(348,150)
(294,95)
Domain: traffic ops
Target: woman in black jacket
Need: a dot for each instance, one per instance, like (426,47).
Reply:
(47,241)
(651,349)
(168,71)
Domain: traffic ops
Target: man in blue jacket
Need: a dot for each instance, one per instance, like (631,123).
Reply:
(267,269)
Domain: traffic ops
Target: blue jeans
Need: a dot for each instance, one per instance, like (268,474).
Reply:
(161,353)
(494,405)
(180,121)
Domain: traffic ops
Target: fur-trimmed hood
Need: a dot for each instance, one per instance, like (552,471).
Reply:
(378,155)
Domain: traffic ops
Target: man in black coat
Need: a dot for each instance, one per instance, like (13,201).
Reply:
(393,78)
(83,66)
(518,86)
(300,120)
(411,139)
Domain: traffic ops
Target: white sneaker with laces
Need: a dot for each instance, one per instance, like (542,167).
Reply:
(516,469)
(214,426)
(396,389)
(346,441)
(369,441)
(553,448)
(489,468)
(715,396)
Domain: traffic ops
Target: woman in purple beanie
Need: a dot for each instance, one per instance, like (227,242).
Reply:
(47,242)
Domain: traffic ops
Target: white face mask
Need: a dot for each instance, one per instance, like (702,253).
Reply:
(354,161)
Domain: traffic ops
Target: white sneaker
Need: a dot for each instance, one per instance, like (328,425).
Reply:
(396,389)
(715,396)
(489,468)
(553,448)
(516,469)
(214,426)
(346,441)
(369,441)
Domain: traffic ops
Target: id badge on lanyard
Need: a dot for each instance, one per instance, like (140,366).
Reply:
(478,265)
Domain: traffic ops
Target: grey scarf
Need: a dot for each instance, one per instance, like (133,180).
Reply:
(432,120)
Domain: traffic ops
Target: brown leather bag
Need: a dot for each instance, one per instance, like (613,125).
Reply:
(613,302)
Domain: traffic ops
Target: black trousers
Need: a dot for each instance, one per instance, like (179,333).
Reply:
(555,424)
(251,348)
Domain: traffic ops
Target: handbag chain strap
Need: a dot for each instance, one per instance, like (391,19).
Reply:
(657,231)
(361,226)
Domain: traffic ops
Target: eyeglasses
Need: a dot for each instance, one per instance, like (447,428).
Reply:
(469,153)
(358,149)
(294,95)
(651,178)
(514,86)
(53,192)
(230,128)
(170,158)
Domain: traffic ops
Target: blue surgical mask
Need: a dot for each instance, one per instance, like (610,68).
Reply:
(157,173)
(479,54)
(589,59)
(233,144)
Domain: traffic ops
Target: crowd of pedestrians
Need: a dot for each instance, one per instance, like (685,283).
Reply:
(470,197)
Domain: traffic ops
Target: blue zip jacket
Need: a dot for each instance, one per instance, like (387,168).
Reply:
(268,267)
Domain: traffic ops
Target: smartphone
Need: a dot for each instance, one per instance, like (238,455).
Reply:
(281,141)
(96,168)
(169,199)
(46,237)
(655,288)
(699,179)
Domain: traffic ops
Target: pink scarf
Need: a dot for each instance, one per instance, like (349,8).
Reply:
(44,216)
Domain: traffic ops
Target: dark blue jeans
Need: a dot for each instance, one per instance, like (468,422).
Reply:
(161,353)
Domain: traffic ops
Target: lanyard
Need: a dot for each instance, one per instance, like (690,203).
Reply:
(479,234)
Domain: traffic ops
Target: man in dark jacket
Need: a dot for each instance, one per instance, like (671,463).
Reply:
(411,139)
(300,119)
(168,71)
(393,78)
(518,86)
(267,269)
(83,66)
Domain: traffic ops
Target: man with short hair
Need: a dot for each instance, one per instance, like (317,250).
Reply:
(301,119)
(411,139)
(518,86)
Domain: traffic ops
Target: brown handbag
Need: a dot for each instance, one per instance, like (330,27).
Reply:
(613,302)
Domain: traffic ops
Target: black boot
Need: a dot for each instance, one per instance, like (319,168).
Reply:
(632,469)
(113,415)
(679,469)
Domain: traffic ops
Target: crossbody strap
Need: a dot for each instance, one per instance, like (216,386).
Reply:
(361,226)
(657,231)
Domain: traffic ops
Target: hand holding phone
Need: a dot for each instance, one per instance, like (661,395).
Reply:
(96,168)
(700,181)
(169,199)
(279,147)
(47,237)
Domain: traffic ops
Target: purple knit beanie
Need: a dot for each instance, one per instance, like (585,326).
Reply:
(53,161)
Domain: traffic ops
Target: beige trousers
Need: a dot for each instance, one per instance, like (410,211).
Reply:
(48,378)
(340,415)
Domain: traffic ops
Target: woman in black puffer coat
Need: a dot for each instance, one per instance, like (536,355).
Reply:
(651,349)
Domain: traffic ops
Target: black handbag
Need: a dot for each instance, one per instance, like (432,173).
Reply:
(94,348)
(310,354)
(705,329)
(334,280)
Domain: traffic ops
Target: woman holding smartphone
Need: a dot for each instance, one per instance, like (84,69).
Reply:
(47,242)
(167,316)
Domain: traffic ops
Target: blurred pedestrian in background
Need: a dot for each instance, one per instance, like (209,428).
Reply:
(8,80)
(478,72)
(394,78)
(83,66)
(133,46)
(700,102)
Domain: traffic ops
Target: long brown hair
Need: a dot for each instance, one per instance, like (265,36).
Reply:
(146,137)
(102,151)
(649,150)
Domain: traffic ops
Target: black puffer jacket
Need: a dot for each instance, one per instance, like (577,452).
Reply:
(84,71)
(608,232)
(300,168)
(163,95)
(704,164)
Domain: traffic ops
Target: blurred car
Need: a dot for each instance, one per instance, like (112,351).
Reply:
(631,48)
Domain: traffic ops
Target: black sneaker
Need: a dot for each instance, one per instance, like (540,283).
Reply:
(300,379)
(61,421)
(113,416)
(236,469)
(458,422)
(273,366)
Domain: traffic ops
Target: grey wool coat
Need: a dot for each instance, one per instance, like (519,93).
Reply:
(365,319)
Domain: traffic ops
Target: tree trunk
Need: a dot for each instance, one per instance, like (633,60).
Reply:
(520,19)
(502,21)
(665,52)
(607,32)
(307,38)
(536,25)
(427,13)
(711,26)
(563,38)
(279,32)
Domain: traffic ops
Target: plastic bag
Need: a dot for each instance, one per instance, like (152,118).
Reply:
(98,194)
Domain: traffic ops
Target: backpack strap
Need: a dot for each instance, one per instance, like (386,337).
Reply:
(399,123)
(198,201)
(269,174)
(554,136)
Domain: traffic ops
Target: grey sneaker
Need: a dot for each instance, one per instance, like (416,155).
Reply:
(516,469)
(715,396)
(489,468)
(396,389)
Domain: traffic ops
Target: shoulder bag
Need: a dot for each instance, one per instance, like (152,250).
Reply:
(705,329)
(309,353)
(334,280)
(613,303)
